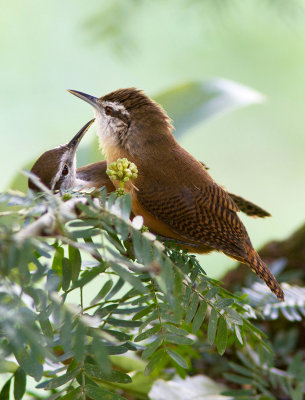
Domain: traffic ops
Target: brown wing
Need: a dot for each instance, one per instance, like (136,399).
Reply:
(246,206)
(205,215)
(94,175)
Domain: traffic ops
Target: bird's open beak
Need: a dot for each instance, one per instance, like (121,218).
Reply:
(93,101)
(73,144)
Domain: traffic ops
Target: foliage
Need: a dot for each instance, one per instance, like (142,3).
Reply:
(293,308)
(153,298)
(258,372)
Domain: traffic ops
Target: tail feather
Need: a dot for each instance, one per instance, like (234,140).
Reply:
(260,268)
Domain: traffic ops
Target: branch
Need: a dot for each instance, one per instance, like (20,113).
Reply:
(47,224)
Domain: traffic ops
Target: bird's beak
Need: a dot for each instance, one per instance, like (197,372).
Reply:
(73,144)
(93,101)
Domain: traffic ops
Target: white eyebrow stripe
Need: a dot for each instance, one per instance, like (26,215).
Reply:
(116,106)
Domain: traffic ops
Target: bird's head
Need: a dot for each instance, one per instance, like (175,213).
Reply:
(126,118)
(56,168)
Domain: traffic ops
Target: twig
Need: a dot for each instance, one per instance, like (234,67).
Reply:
(46,225)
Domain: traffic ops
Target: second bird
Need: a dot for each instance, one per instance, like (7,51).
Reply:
(176,196)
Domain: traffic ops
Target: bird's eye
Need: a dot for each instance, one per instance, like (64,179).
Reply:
(108,110)
(65,170)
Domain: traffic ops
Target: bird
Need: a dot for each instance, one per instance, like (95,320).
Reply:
(56,168)
(95,176)
(175,195)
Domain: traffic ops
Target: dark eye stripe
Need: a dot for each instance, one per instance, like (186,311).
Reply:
(119,115)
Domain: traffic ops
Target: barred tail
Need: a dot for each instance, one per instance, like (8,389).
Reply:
(249,208)
(260,268)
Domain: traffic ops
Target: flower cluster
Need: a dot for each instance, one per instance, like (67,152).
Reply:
(122,170)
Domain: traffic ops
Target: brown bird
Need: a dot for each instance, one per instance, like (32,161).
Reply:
(56,168)
(176,196)
(50,163)
(95,176)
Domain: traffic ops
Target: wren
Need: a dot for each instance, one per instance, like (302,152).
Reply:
(176,196)
(56,168)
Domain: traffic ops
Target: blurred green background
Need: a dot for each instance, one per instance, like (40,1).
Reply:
(99,46)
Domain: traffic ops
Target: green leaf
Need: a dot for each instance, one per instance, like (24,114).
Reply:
(97,393)
(178,339)
(211,293)
(201,286)
(80,340)
(239,393)
(115,350)
(151,348)
(76,261)
(187,296)
(29,364)
(66,273)
(241,370)
(192,309)
(177,358)
(85,233)
(87,210)
(19,384)
(199,317)
(222,336)
(8,366)
(46,326)
(114,375)
(56,382)
(88,276)
(119,335)
(116,288)
(65,332)
(295,364)
(212,326)
(128,277)
(233,316)
(75,394)
(123,322)
(147,333)
(176,331)
(143,312)
(103,292)
(223,303)
(57,259)
(238,379)
(156,360)
(101,353)
(238,334)
(5,392)
(196,102)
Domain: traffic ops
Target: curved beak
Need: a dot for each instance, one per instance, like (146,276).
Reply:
(74,142)
(93,101)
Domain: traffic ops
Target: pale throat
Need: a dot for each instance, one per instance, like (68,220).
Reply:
(108,142)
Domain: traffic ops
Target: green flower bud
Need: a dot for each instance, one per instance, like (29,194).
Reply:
(66,196)
(113,166)
(120,192)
